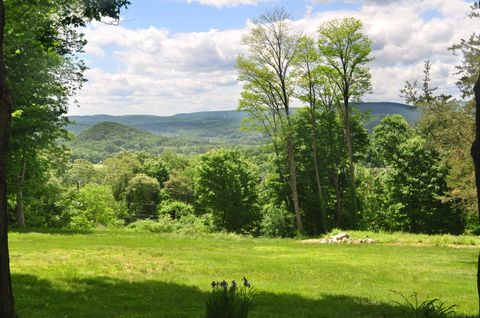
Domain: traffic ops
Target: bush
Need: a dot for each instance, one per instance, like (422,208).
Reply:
(92,206)
(175,209)
(277,221)
(188,224)
(163,225)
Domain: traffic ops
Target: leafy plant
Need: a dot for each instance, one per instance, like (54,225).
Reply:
(429,308)
(230,302)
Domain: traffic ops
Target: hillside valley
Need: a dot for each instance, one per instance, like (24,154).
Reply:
(98,136)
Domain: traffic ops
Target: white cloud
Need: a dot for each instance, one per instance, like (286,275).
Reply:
(225,3)
(158,72)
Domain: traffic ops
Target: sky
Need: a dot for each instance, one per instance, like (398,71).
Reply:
(178,56)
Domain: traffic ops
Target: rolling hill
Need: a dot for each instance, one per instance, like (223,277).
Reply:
(105,138)
(98,136)
(220,125)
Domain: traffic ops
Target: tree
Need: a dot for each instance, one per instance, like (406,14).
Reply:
(346,51)
(226,185)
(269,85)
(417,182)
(156,168)
(387,136)
(119,170)
(81,173)
(334,163)
(410,91)
(470,67)
(69,15)
(142,196)
(307,63)
(93,205)
(180,188)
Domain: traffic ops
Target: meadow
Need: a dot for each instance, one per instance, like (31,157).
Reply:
(123,273)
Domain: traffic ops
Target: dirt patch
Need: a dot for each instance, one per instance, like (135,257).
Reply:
(414,244)
(418,244)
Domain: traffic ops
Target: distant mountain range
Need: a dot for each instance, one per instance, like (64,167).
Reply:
(98,136)
(218,124)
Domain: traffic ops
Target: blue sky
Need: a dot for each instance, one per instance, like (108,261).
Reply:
(176,56)
(181,16)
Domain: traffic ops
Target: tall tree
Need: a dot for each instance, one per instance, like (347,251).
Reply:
(267,73)
(64,17)
(307,70)
(7,308)
(346,51)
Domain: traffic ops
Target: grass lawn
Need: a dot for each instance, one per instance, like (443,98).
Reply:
(137,274)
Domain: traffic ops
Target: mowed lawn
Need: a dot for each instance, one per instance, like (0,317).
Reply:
(131,274)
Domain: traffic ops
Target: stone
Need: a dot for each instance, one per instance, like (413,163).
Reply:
(340,236)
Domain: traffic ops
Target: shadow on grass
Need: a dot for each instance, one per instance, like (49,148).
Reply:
(106,297)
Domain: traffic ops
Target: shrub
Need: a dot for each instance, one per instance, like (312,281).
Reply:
(175,209)
(92,206)
(188,224)
(277,221)
(163,225)
(230,302)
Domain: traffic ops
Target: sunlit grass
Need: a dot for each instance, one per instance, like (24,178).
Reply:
(137,274)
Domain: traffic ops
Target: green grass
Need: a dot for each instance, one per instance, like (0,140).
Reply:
(136,274)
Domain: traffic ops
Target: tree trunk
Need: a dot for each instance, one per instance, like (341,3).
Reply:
(20,211)
(351,166)
(475,150)
(7,308)
(19,194)
(293,183)
(339,201)
(317,173)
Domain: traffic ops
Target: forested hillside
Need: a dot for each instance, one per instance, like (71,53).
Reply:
(106,138)
(220,124)
(96,137)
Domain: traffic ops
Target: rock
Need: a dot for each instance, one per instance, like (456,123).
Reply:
(340,236)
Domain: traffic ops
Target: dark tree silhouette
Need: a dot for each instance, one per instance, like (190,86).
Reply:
(91,10)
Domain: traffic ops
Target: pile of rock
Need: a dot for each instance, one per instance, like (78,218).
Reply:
(345,238)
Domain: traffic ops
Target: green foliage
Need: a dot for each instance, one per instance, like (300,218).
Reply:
(187,224)
(142,196)
(82,172)
(226,185)
(418,181)
(387,136)
(429,308)
(92,206)
(155,167)
(277,221)
(119,170)
(332,163)
(230,302)
(175,209)
(346,51)
(408,194)
(180,188)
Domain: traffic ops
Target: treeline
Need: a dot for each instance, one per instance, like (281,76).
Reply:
(319,168)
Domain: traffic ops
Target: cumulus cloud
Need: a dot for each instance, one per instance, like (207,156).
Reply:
(166,73)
